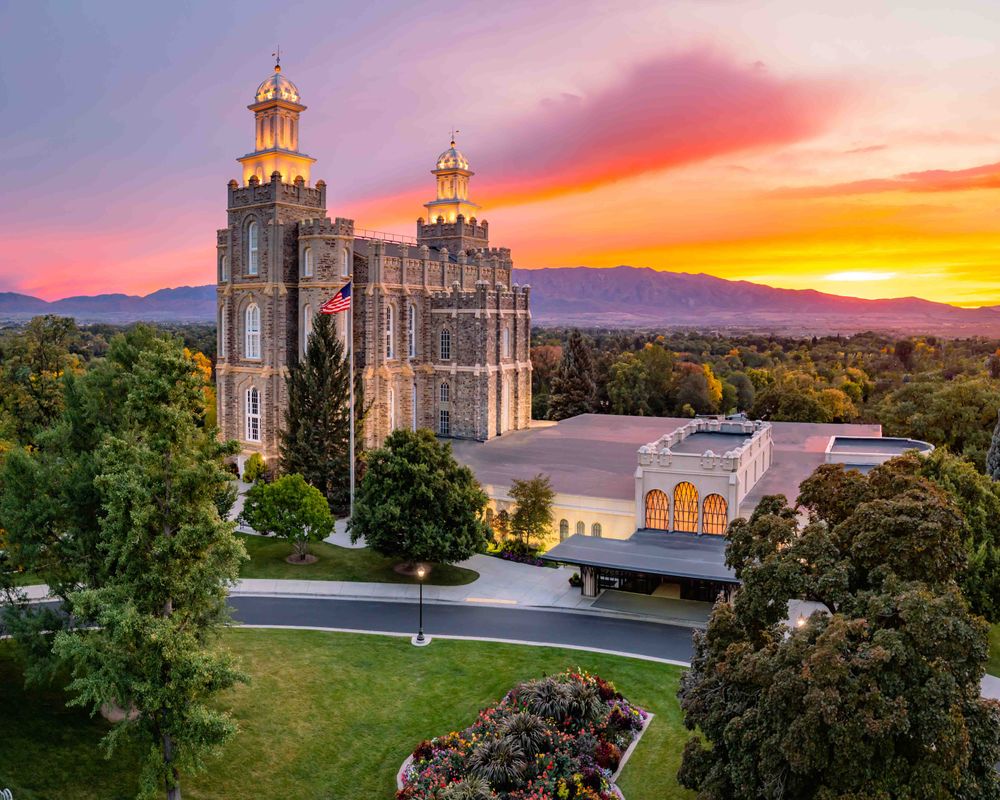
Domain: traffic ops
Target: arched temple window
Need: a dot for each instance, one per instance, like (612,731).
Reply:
(445,345)
(686,507)
(657,511)
(307,262)
(411,331)
(581,528)
(390,332)
(715,514)
(252,330)
(253,249)
(563,529)
(253,415)
(595,530)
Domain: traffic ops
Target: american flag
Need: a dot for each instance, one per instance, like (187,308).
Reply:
(341,301)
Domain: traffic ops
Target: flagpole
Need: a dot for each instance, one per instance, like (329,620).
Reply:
(350,339)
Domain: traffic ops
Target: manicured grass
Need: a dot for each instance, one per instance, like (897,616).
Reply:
(267,560)
(993,665)
(327,716)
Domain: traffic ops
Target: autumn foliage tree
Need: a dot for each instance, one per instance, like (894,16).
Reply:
(878,695)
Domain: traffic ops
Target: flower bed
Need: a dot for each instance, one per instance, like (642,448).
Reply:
(512,550)
(556,738)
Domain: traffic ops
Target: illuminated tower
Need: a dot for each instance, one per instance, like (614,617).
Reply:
(277,110)
(451,217)
(266,270)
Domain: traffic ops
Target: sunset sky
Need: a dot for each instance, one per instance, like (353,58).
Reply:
(850,146)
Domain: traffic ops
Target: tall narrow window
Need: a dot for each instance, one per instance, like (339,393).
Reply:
(413,408)
(686,507)
(411,331)
(307,262)
(444,422)
(563,530)
(222,332)
(581,528)
(657,511)
(595,530)
(345,263)
(715,514)
(253,415)
(252,325)
(506,342)
(390,334)
(253,249)
(505,405)
(307,327)
(392,410)
(445,392)
(224,268)
(445,345)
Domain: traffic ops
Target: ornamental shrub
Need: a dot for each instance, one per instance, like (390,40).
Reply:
(255,468)
(515,751)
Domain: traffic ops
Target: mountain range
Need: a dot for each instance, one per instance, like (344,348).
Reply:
(614,297)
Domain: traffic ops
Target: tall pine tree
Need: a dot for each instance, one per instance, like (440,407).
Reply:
(574,389)
(993,455)
(315,442)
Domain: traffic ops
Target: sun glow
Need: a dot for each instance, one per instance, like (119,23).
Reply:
(859,275)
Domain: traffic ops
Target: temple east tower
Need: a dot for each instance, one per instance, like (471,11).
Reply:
(440,336)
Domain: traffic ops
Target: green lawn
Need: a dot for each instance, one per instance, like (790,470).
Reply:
(327,716)
(267,560)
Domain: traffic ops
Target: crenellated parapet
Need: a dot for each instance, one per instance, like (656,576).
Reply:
(323,226)
(275,191)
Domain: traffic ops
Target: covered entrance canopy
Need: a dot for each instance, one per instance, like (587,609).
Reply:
(647,558)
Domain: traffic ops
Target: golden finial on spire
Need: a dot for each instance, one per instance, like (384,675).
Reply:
(276,55)
(454,133)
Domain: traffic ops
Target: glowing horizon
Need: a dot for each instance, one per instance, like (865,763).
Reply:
(825,152)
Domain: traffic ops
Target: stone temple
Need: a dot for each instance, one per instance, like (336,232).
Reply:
(441,336)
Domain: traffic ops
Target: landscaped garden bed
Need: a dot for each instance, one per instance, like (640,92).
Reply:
(563,737)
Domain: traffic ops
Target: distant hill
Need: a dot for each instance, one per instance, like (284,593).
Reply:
(615,297)
(183,304)
(639,297)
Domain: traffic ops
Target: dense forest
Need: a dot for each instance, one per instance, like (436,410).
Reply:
(945,391)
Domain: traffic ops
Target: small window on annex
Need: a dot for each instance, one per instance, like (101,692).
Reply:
(563,529)
(581,528)
(595,530)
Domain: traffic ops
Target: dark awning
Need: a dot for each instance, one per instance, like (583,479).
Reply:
(674,554)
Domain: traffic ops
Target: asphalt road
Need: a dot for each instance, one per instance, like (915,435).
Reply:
(515,624)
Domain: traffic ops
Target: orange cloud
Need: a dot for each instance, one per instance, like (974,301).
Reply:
(670,112)
(986,176)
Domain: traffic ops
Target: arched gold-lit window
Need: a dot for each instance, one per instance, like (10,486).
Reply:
(686,508)
(657,510)
(715,514)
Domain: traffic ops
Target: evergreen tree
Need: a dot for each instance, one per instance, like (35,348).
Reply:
(168,560)
(574,388)
(315,442)
(993,455)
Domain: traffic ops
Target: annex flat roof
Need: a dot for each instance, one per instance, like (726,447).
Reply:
(673,554)
(595,455)
(864,445)
(717,441)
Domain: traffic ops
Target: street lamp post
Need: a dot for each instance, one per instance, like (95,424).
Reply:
(421,640)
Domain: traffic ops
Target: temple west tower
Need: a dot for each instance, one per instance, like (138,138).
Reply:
(441,336)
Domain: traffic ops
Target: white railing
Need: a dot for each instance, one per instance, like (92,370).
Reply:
(362,233)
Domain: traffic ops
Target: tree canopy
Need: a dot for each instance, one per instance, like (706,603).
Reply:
(877,696)
(574,390)
(290,508)
(532,517)
(417,503)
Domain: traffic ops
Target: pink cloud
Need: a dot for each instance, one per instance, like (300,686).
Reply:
(986,176)
(669,112)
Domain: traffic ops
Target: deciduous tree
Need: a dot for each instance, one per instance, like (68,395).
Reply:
(416,502)
(532,517)
(290,508)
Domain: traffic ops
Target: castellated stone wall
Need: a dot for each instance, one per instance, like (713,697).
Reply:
(400,293)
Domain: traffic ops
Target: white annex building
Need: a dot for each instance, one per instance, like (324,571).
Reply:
(642,502)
